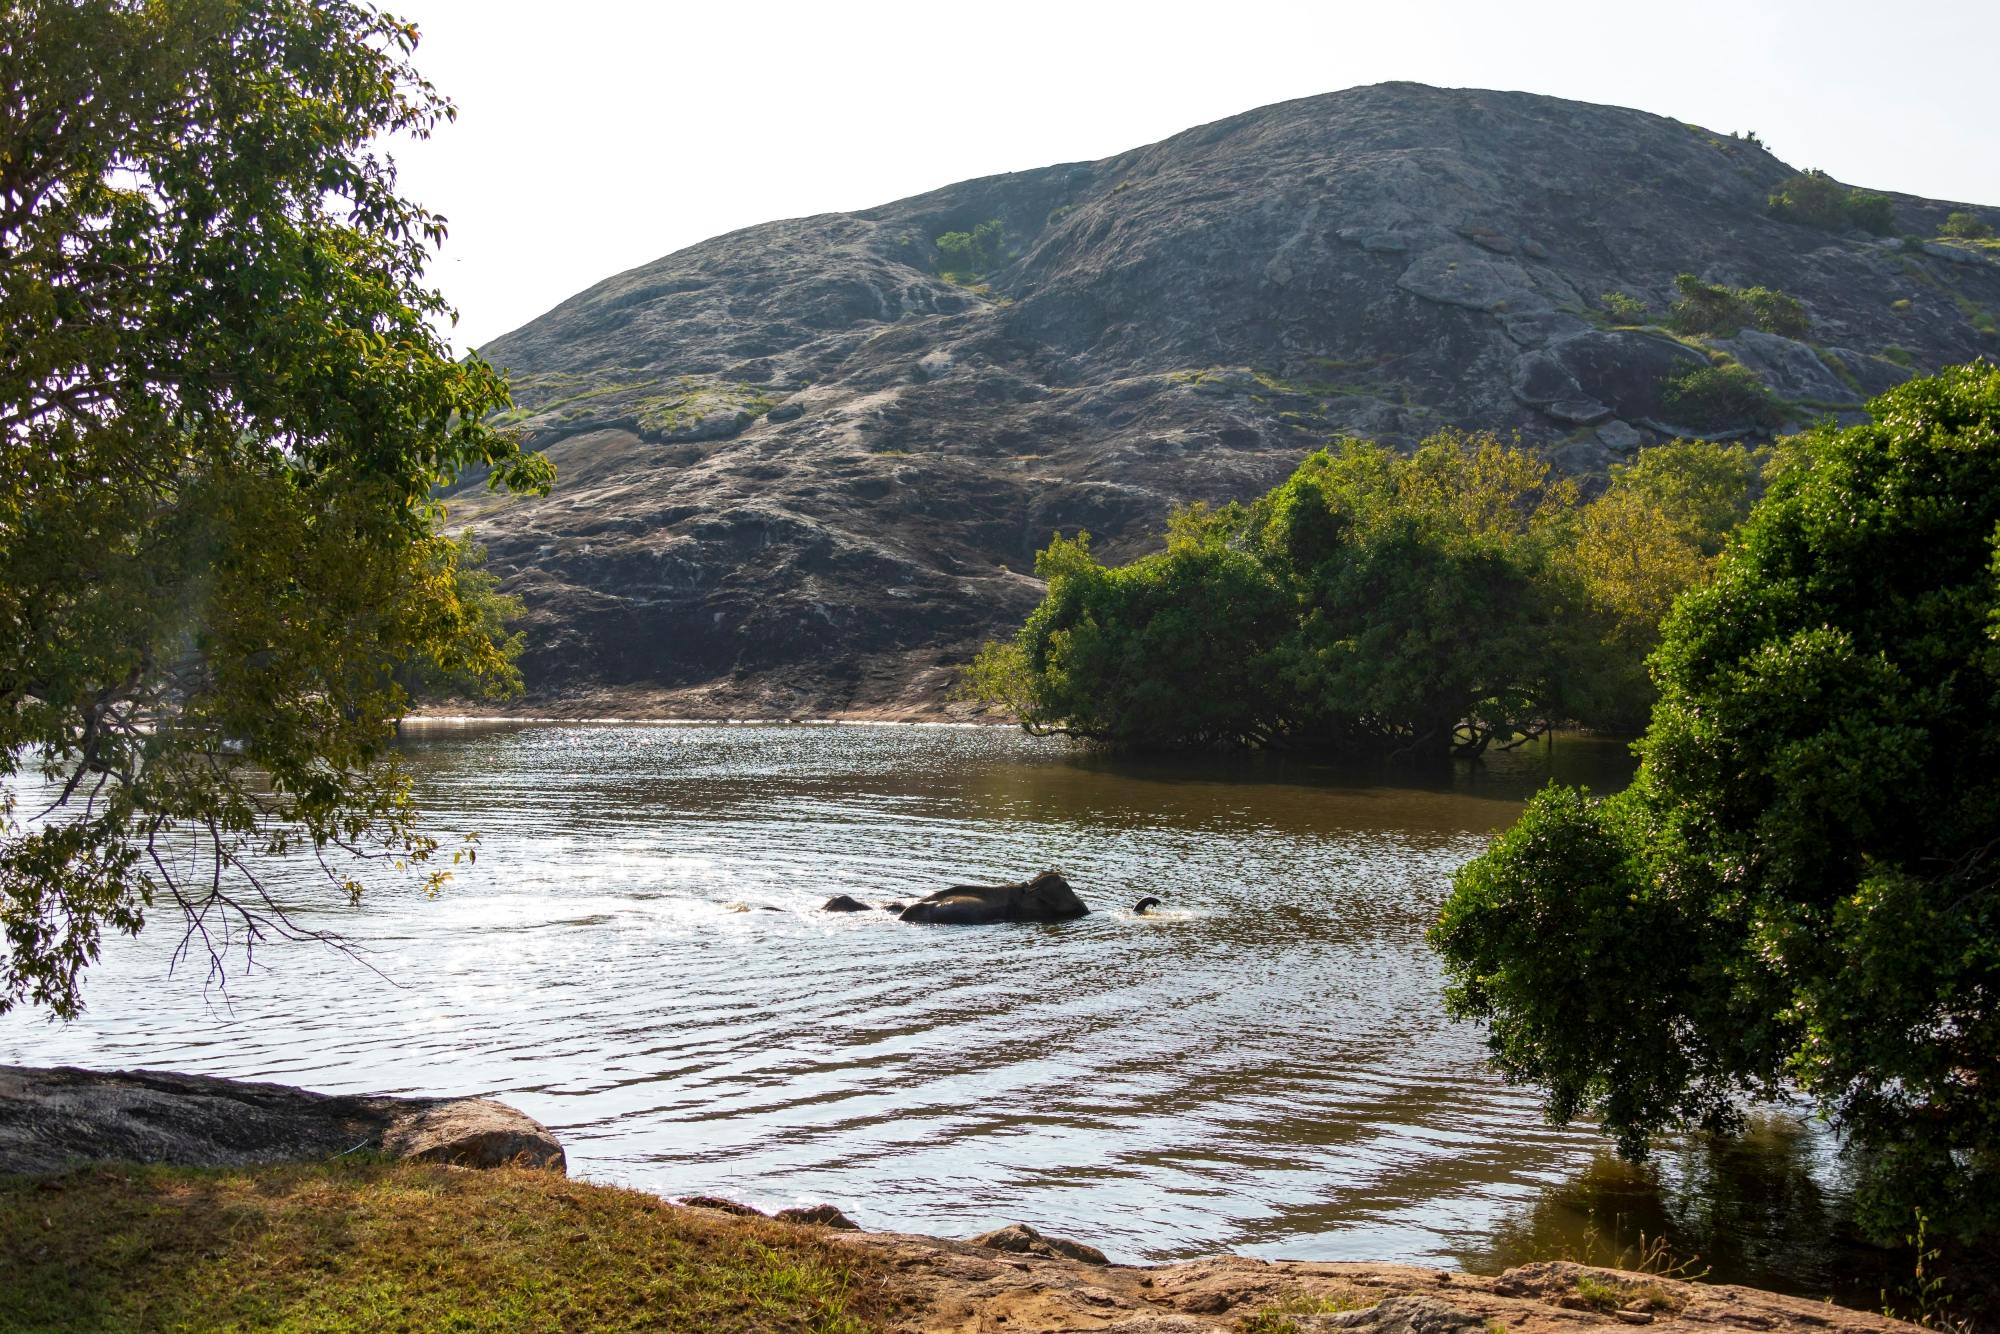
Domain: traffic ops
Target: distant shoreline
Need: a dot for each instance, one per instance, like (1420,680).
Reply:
(855,720)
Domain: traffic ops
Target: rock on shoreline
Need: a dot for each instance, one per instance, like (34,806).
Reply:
(1022,1281)
(51,1119)
(966,1288)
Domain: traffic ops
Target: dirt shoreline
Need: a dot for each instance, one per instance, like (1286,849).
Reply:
(953,1287)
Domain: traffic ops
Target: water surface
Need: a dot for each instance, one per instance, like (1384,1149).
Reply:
(1263,1066)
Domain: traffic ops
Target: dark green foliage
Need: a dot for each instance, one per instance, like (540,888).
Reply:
(1803,882)
(1714,398)
(1963,226)
(1375,604)
(225,412)
(1871,212)
(1712,308)
(1170,651)
(973,254)
(1370,604)
(1817,200)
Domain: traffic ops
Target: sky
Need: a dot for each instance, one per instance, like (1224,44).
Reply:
(594,136)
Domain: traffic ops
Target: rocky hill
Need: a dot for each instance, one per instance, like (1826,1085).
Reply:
(805,466)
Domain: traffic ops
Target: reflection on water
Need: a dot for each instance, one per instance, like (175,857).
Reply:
(1768,1208)
(1264,1066)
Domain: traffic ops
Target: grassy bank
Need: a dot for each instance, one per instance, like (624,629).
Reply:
(382,1246)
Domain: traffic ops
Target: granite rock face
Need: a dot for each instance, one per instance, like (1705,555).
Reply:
(802,472)
(54,1118)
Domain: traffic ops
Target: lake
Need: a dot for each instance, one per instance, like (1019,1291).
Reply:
(1262,1066)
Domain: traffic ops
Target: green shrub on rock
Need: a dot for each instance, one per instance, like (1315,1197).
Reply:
(1713,308)
(1815,199)
(1623,308)
(1963,226)
(1715,398)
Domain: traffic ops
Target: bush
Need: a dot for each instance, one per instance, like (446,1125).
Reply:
(1623,308)
(1962,226)
(1712,308)
(1714,398)
(1815,199)
(1871,212)
(1776,312)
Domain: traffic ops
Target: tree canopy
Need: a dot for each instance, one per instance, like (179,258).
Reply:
(1803,882)
(224,413)
(1449,600)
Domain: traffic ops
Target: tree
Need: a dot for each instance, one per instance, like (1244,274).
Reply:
(1431,618)
(1654,533)
(224,413)
(1371,604)
(1803,882)
(968,255)
(1168,652)
(462,561)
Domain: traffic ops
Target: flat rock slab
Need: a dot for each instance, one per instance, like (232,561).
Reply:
(51,1119)
(969,1287)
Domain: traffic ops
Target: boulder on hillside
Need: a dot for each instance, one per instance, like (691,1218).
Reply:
(51,1119)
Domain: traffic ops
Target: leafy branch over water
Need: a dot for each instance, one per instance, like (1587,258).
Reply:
(224,413)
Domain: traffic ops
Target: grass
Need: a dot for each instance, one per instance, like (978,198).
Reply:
(404,1246)
(1277,1317)
(1605,1294)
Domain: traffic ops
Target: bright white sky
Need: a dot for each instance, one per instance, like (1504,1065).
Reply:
(595,135)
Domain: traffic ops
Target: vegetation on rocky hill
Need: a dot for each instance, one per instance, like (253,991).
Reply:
(1817,200)
(965,257)
(1442,602)
(1715,308)
(1802,886)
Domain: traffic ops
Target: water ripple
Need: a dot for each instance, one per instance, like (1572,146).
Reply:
(1264,1064)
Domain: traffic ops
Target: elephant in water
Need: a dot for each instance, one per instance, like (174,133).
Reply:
(1046,898)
